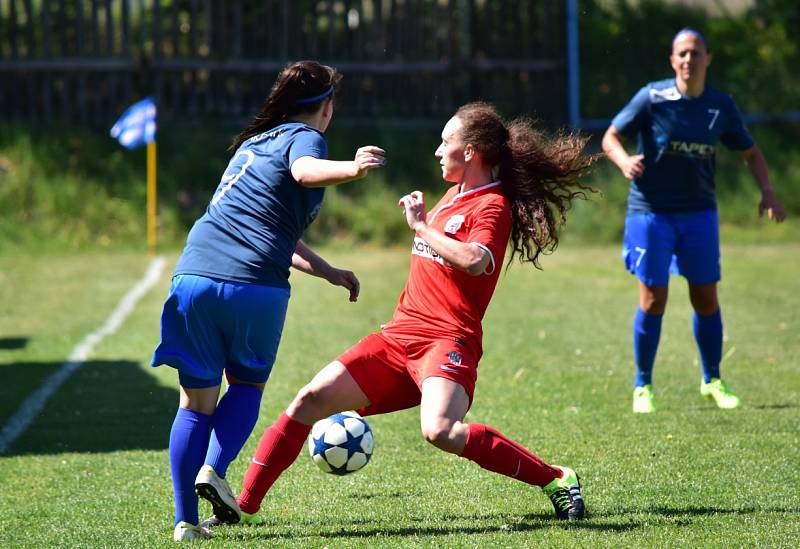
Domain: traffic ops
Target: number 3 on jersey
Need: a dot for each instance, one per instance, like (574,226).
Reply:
(236,168)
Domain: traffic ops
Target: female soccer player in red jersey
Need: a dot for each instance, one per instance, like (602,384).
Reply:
(508,181)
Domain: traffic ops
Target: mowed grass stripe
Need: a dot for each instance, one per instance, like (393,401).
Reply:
(33,404)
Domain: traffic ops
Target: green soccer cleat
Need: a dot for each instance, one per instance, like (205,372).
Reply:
(214,521)
(217,491)
(720,394)
(250,518)
(186,531)
(643,402)
(565,494)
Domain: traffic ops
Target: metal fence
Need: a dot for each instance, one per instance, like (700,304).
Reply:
(404,61)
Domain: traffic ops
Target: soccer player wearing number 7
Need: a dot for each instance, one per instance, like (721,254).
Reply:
(672,225)
(227,303)
(508,181)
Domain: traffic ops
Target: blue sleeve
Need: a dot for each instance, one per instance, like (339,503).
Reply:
(308,143)
(736,136)
(630,119)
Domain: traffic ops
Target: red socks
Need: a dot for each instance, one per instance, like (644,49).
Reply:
(278,448)
(493,451)
(281,444)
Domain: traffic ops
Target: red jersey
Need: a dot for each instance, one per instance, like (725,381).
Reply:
(440,300)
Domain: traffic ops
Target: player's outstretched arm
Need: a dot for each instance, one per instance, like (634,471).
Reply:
(769,204)
(465,256)
(630,166)
(307,261)
(316,172)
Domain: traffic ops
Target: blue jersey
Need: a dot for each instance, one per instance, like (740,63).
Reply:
(678,135)
(252,224)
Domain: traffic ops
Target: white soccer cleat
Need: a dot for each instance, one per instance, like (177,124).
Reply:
(218,493)
(643,400)
(186,531)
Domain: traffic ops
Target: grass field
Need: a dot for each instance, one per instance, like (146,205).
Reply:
(92,469)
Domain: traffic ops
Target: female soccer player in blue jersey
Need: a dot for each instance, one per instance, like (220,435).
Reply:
(227,303)
(672,224)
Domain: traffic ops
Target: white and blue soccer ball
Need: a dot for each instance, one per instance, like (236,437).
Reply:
(341,444)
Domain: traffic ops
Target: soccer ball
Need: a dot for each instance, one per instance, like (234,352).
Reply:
(341,444)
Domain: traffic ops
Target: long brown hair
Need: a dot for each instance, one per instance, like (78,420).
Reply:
(296,84)
(540,176)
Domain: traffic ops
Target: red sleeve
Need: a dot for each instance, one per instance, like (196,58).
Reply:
(490,228)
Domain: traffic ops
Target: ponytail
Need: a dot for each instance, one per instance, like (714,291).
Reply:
(540,176)
(542,179)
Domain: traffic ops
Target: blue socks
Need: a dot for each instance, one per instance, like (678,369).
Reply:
(708,335)
(234,420)
(188,441)
(191,445)
(646,333)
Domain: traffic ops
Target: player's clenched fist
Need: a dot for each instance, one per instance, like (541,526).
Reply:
(413,205)
(369,157)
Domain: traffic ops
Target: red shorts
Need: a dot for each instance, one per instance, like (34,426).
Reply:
(390,371)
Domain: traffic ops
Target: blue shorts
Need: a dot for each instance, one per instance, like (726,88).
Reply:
(656,245)
(211,326)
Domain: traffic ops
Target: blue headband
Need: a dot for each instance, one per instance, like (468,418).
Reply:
(323,95)
(690,30)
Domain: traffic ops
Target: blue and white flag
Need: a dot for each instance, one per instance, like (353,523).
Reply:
(137,125)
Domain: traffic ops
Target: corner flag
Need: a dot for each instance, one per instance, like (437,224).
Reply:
(137,125)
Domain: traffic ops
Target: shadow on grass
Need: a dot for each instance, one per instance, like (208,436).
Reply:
(525,526)
(377,495)
(12,343)
(668,512)
(458,525)
(105,406)
(774,406)
(696,511)
(619,522)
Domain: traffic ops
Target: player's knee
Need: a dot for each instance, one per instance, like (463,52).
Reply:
(235,381)
(654,308)
(309,400)
(440,433)
(653,303)
(705,308)
(704,303)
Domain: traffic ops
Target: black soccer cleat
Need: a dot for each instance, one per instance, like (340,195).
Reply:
(565,494)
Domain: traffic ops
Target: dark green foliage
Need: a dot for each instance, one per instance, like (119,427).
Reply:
(72,188)
(625,44)
(76,187)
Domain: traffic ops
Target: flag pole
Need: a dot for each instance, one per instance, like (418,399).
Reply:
(136,127)
(151,198)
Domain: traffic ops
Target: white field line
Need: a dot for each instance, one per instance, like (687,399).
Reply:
(32,405)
